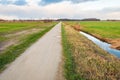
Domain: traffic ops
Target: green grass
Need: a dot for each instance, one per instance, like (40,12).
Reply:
(14,51)
(85,60)
(104,29)
(69,66)
(12,27)
(7,27)
(2,38)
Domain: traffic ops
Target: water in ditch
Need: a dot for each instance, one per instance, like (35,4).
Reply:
(102,44)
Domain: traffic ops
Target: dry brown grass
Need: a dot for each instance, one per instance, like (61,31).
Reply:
(76,27)
(92,63)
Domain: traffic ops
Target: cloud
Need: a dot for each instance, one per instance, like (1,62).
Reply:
(33,2)
(64,9)
(110,13)
(38,2)
(5,2)
(111,9)
(20,2)
(45,2)
(79,1)
(14,2)
(6,17)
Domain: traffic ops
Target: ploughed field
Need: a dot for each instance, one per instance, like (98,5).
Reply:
(16,36)
(108,31)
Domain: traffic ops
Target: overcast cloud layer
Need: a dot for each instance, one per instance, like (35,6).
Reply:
(76,9)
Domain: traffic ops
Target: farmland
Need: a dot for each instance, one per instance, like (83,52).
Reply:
(15,37)
(108,31)
(14,31)
(59,39)
(82,59)
(13,27)
(85,60)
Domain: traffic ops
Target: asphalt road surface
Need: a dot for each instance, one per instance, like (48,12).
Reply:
(38,62)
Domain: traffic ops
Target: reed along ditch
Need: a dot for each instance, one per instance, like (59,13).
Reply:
(103,45)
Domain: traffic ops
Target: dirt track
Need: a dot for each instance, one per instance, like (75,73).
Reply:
(40,61)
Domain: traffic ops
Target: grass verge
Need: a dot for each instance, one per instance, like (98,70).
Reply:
(11,54)
(69,64)
(84,59)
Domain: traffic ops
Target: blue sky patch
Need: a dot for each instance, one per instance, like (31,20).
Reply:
(20,2)
(17,2)
(45,2)
(5,2)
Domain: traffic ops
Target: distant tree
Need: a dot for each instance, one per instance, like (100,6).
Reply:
(90,19)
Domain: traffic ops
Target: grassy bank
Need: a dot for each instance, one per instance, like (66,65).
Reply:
(85,60)
(14,51)
(69,66)
(104,29)
(108,31)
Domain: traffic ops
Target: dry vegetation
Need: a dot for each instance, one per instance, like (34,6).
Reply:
(91,62)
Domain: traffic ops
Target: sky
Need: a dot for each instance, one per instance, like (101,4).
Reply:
(54,9)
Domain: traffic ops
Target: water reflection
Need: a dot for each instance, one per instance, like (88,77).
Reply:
(102,45)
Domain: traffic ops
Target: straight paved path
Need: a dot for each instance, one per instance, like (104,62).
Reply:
(40,61)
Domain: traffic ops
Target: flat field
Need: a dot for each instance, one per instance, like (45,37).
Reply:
(105,29)
(15,37)
(108,31)
(14,27)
